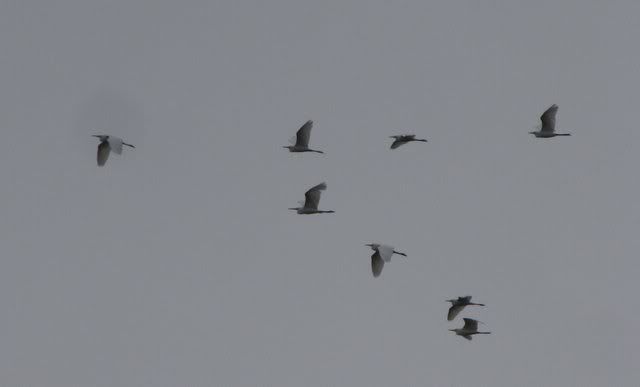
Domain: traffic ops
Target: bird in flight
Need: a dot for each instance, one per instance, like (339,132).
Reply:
(300,142)
(107,145)
(404,139)
(469,329)
(311,201)
(457,304)
(548,126)
(382,254)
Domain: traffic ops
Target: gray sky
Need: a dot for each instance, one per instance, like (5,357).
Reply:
(178,263)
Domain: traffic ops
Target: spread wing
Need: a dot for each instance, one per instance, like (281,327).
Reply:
(303,134)
(312,196)
(385,252)
(470,325)
(116,144)
(468,337)
(103,153)
(453,311)
(401,140)
(376,264)
(548,119)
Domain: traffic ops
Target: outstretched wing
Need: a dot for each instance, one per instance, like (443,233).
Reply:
(468,337)
(470,325)
(453,311)
(401,140)
(376,264)
(385,252)
(303,134)
(103,153)
(312,196)
(397,142)
(548,119)
(116,144)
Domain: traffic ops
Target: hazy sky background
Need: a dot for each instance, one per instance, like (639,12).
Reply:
(178,264)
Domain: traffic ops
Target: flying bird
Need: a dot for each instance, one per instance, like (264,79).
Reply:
(457,304)
(469,329)
(404,139)
(107,145)
(382,254)
(300,142)
(548,127)
(311,200)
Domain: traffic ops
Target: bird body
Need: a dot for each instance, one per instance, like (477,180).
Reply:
(382,254)
(107,145)
(457,304)
(548,126)
(300,142)
(402,139)
(312,199)
(469,329)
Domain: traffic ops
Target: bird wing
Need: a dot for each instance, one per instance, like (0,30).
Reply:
(468,337)
(312,196)
(385,252)
(464,299)
(397,142)
(548,119)
(470,325)
(453,311)
(103,153)
(376,264)
(116,144)
(303,134)
(401,140)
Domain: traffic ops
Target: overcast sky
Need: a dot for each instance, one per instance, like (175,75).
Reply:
(178,263)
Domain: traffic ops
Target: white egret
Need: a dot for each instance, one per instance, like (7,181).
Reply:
(404,139)
(300,142)
(548,127)
(312,198)
(107,145)
(469,329)
(382,254)
(457,304)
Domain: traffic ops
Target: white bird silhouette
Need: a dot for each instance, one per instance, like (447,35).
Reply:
(469,329)
(107,145)
(548,127)
(457,304)
(300,142)
(404,139)
(312,199)
(382,254)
